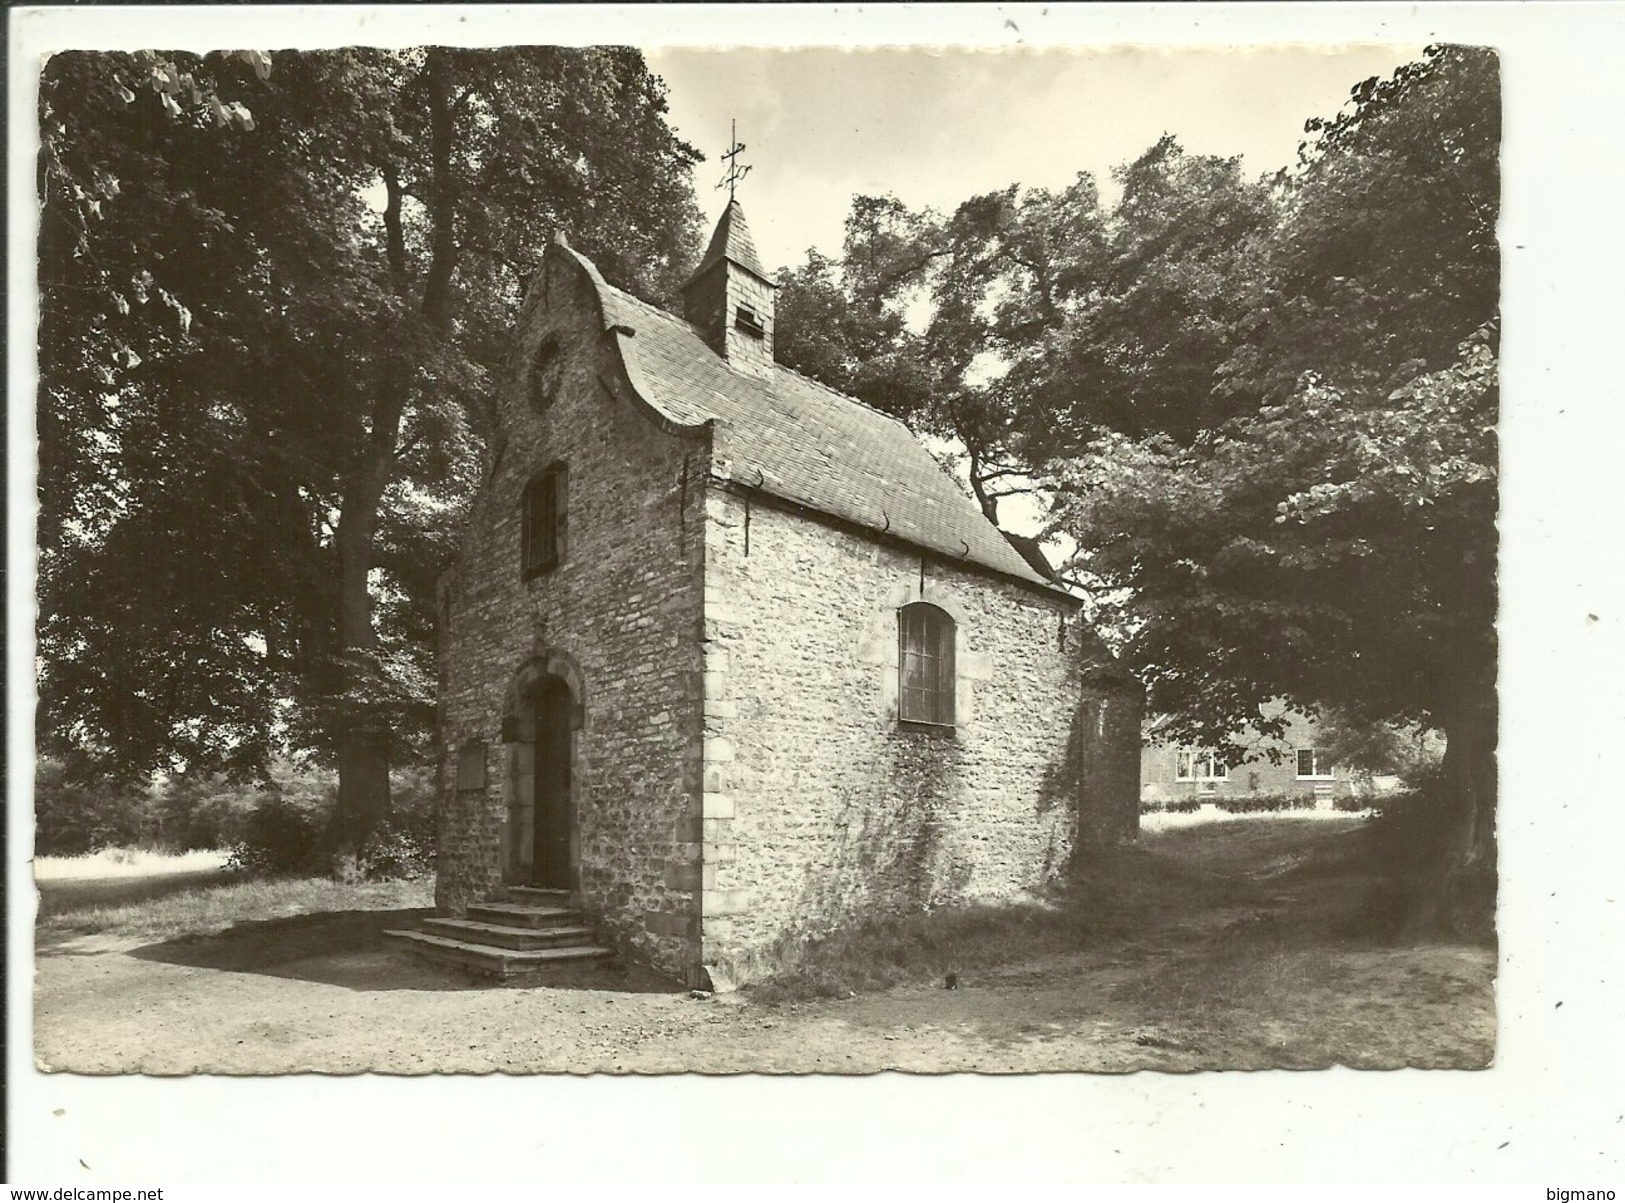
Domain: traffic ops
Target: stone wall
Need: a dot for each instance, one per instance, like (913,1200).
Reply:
(619,619)
(1107,745)
(819,806)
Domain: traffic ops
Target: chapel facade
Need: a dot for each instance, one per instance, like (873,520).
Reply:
(730,660)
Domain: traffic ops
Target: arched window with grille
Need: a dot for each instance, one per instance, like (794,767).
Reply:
(925,665)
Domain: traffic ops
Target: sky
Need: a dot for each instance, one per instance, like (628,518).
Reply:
(935,126)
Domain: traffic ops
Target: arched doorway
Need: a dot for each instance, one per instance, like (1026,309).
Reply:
(543,716)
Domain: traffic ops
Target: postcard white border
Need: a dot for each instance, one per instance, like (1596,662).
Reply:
(1547,1112)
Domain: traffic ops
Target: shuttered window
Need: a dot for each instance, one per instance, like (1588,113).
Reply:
(925,669)
(546,372)
(542,532)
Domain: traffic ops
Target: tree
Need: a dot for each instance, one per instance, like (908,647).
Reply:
(244,507)
(1369,748)
(1337,544)
(1039,317)
(1387,256)
(914,318)
(1150,316)
(169,511)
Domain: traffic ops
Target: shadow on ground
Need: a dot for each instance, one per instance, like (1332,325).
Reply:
(348,949)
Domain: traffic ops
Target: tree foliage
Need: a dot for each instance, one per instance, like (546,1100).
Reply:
(1369,748)
(1336,543)
(275,291)
(909,319)
(1137,350)
(1387,257)
(1030,320)
(1264,409)
(1332,547)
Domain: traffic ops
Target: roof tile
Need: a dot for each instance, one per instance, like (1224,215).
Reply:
(731,240)
(806,443)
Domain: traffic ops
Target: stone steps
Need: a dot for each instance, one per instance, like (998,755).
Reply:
(527,931)
(503,936)
(519,914)
(490,961)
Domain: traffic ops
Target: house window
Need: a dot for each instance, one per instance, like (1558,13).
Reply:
(542,526)
(746,319)
(1197,764)
(925,665)
(1313,765)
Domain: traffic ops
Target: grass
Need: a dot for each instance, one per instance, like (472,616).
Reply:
(186,902)
(1236,914)
(125,862)
(1110,903)
(877,955)
(1169,820)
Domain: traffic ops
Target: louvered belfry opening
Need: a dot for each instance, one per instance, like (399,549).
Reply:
(729,298)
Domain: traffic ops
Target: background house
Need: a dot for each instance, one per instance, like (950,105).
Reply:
(1300,767)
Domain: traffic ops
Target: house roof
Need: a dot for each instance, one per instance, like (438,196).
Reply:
(788,436)
(731,240)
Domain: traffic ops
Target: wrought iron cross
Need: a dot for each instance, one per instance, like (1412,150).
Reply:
(736,170)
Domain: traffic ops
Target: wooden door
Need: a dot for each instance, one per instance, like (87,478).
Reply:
(551,830)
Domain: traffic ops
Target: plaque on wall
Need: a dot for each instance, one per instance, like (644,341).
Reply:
(471,765)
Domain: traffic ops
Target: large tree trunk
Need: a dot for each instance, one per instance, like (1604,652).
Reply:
(1470,779)
(364,799)
(1452,889)
(364,734)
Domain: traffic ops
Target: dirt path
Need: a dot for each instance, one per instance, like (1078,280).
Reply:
(1233,985)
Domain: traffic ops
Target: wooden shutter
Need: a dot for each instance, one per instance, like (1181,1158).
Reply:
(560,475)
(543,522)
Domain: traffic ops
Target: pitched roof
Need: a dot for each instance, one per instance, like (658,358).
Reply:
(1028,549)
(731,240)
(798,440)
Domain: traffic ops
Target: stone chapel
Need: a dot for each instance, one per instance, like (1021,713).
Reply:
(729,660)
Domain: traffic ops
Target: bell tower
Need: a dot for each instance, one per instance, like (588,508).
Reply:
(729,298)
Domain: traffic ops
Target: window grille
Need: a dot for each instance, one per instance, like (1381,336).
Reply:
(925,660)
